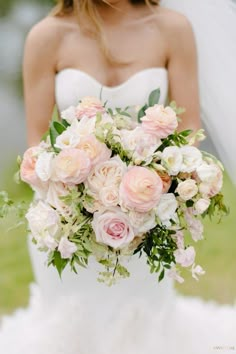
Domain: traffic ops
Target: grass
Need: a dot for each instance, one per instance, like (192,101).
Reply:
(216,254)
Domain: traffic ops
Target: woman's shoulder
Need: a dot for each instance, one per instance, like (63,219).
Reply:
(172,22)
(48,32)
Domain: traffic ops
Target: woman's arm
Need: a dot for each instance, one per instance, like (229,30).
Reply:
(39,67)
(183,74)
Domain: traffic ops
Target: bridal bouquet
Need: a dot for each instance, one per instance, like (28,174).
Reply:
(111,186)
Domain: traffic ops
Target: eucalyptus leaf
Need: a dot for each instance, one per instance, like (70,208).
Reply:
(154,97)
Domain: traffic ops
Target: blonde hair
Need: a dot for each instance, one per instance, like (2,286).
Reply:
(87,9)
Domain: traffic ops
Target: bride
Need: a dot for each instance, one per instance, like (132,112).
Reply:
(122,50)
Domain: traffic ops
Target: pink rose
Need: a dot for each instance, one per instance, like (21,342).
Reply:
(89,107)
(71,166)
(112,228)
(140,189)
(160,120)
(27,168)
(96,151)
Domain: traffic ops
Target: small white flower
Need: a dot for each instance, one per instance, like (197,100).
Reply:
(192,158)
(167,207)
(66,248)
(187,189)
(172,160)
(197,271)
(68,139)
(69,114)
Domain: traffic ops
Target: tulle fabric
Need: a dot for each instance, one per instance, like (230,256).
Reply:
(214,25)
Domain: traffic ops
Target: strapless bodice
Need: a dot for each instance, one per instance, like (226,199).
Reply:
(73,84)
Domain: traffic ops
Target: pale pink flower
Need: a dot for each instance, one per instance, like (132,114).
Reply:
(106,173)
(179,238)
(142,222)
(112,228)
(89,107)
(66,248)
(197,271)
(195,226)
(185,257)
(109,196)
(201,205)
(140,189)
(71,166)
(212,179)
(174,274)
(160,120)
(27,168)
(96,151)
(187,189)
(69,114)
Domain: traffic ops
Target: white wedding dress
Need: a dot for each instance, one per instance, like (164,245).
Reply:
(78,315)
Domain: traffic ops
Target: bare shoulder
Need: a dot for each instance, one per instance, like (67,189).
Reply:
(173,24)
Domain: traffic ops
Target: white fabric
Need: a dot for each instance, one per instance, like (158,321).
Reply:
(214,25)
(77,315)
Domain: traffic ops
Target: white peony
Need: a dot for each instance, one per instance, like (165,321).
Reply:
(167,207)
(172,160)
(44,166)
(44,224)
(192,158)
(187,189)
(66,248)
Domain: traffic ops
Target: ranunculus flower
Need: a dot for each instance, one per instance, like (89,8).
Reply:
(140,189)
(105,174)
(109,196)
(44,224)
(192,158)
(112,228)
(187,189)
(89,107)
(69,114)
(166,207)
(160,120)
(172,159)
(201,205)
(66,248)
(71,166)
(185,257)
(44,166)
(142,222)
(96,151)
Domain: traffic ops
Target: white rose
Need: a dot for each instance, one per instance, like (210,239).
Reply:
(69,114)
(44,224)
(201,205)
(44,166)
(167,207)
(185,257)
(142,222)
(172,159)
(192,158)
(66,248)
(109,196)
(68,139)
(187,189)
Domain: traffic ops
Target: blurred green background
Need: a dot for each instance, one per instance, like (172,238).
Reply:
(216,253)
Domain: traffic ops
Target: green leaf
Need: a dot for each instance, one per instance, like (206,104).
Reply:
(161,276)
(141,112)
(154,97)
(59,262)
(60,128)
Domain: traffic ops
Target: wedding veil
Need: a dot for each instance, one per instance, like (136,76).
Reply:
(214,25)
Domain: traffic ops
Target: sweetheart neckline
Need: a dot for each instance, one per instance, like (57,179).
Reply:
(110,88)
